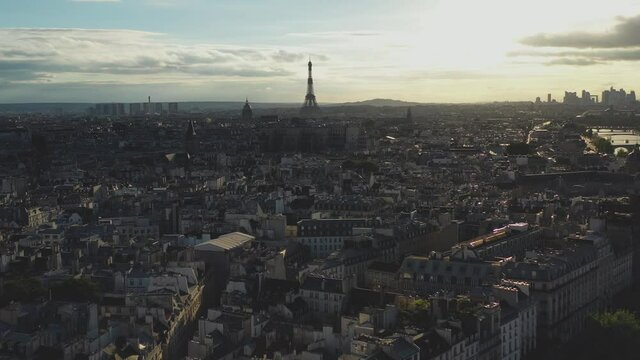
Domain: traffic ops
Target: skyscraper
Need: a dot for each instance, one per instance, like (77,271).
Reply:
(109,109)
(310,106)
(618,97)
(631,97)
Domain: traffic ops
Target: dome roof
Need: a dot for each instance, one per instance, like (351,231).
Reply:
(247,113)
(246,105)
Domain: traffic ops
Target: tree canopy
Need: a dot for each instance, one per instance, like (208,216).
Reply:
(603,146)
(78,290)
(608,335)
(520,148)
(22,290)
(363,165)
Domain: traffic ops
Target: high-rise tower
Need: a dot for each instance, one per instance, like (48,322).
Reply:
(247,113)
(310,105)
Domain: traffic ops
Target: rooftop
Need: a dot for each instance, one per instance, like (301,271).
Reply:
(225,242)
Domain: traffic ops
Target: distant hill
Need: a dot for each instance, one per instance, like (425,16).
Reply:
(381,102)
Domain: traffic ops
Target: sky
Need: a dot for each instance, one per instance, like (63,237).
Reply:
(226,50)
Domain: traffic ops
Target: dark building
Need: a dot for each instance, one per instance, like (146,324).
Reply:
(135,109)
(247,113)
(110,109)
(309,139)
(190,139)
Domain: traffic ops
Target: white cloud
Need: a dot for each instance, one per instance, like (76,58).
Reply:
(127,56)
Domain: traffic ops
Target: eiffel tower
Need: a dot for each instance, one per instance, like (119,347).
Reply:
(310,106)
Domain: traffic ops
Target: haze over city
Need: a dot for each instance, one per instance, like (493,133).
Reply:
(425,51)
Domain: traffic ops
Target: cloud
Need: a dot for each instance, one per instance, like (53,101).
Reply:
(128,57)
(286,56)
(582,57)
(453,75)
(573,61)
(579,48)
(335,34)
(624,34)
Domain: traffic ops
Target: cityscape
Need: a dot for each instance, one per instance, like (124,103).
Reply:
(140,219)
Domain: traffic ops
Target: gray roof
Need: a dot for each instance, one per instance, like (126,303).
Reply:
(225,242)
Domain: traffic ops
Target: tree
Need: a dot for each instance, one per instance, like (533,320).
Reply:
(348,164)
(39,143)
(607,335)
(518,149)
(78,290)
(369,124)
(419,314)
(589,133)
(603,146)
(421,305)
(22,290)
(621,152)
(360,165)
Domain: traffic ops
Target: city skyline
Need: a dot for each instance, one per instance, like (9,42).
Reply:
(424,51)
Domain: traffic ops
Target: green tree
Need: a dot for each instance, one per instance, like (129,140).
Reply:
(520,148)
(589,133)
(369,124)
(603,146)
(607,335)
(421,305)
(621,152)
(348,164)
(78,290)
(420,314)
(360,165)
(23,290)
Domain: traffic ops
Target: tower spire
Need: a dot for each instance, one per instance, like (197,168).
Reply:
(310,105)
